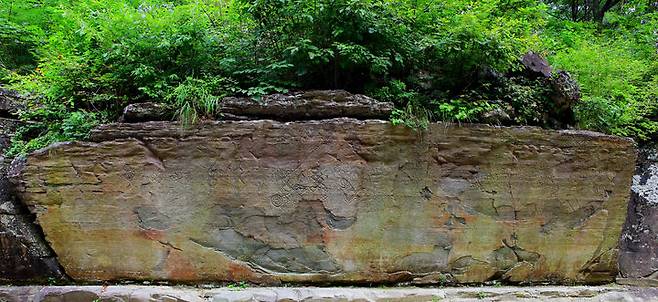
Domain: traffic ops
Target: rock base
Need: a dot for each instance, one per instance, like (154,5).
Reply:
(236,293)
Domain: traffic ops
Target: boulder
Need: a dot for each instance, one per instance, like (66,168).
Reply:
(337,200)
(564,91)
(144,112)
(308,105)
(639,240)
(536,65)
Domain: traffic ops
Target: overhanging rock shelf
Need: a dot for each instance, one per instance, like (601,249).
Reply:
(337,200)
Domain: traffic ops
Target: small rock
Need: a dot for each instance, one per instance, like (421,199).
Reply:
(145,112)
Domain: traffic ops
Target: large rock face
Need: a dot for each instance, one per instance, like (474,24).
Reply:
(332,201)
(639,241)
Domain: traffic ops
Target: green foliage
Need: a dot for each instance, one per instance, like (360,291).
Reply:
(413,116)
(195,98)
(238,286)
(459,110)
(94,57)
(616,69)
(40,134)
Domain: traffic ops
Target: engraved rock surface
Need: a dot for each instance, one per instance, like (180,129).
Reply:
(339,200)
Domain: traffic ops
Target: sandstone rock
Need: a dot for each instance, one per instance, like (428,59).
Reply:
(144,112)
(318,104)
(339,200)
(639,241)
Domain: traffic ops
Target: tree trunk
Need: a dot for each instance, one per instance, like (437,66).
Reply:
(574,10)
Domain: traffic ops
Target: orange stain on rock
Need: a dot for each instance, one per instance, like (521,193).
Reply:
(179,267)
(151,234)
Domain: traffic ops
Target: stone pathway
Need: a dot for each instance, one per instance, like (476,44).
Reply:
(133,293)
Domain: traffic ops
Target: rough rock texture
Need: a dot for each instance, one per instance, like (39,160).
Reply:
(144,112)
(317,104)
(24,255)
(131,293)
(9,103)
(536,64)
(334,201)
(639,241)
(7,129)
(565,91)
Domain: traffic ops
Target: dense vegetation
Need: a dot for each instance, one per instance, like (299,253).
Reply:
(82,61)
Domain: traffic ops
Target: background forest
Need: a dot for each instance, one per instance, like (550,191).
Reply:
(80,62)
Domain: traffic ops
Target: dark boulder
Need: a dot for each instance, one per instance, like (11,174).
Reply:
(24,253)
(639,240)
(564,91)
(536,65)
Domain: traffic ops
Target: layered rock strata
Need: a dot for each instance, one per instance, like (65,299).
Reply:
(337,200)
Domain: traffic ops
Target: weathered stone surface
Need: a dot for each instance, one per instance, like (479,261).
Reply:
(24,256)
(639,240)
(338,200)
(144,112)
(307,105)
(131,293)
(536,64)
(9,103)
(565,91)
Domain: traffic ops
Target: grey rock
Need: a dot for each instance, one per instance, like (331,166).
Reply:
(144,112)
(24,254)
(536,65)
(639,239)
(10,103)
(317,104)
